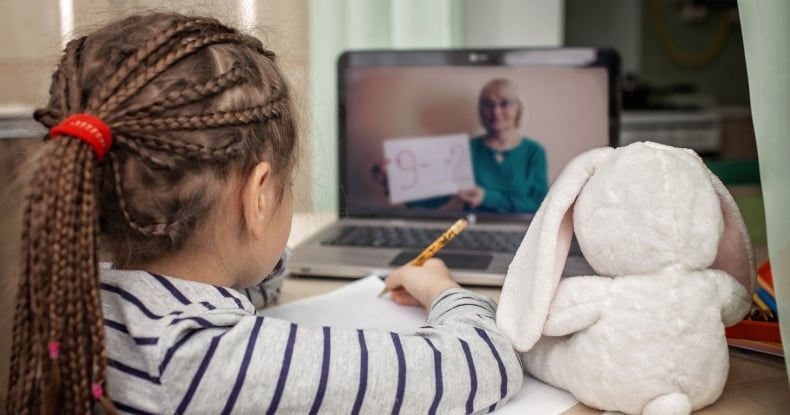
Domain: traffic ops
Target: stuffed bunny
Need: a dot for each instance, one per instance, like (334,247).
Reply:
(674,264)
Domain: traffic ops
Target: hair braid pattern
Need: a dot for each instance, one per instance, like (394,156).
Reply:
(189,102)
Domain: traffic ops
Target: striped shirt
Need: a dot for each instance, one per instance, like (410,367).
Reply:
(177,346)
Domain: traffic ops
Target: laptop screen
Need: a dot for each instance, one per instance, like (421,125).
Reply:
(438,134)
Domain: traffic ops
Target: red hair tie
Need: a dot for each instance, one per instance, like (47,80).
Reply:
(87,128)
(54,350)
(97,390)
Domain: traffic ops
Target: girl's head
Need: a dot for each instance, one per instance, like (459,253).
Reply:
(196,111)
(500,107)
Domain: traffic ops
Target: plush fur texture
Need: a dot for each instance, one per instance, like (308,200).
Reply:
(674,264)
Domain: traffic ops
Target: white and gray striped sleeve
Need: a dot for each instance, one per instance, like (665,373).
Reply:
(266,292)
(458,363)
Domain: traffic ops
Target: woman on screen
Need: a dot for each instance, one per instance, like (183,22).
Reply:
(511,172)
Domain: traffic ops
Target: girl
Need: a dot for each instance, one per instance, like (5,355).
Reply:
(172,149)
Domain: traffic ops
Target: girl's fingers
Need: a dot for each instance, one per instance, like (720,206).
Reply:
(402,297)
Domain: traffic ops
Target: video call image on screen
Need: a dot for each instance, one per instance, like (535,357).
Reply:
(415,135)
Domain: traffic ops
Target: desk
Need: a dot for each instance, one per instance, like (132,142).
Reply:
(757,384)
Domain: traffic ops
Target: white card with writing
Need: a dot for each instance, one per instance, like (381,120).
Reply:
(424,167)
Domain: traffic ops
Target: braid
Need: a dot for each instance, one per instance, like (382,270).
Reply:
(82,366)
(53,296)
(149,73)
(133,63)
(41,227)
(49,117)
(50,224)
(216,123)
(150,147)
(71,60)
(21,343)
(217,119)
(156,229)
(186,96)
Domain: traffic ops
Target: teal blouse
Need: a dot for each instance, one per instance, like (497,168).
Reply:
(517,184)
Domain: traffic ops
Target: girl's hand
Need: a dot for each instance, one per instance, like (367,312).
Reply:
(419,285)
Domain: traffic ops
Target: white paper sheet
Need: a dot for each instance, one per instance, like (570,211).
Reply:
(422,167)
(357,305)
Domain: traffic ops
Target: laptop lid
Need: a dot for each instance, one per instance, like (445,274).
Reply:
(404,114)
(412,151)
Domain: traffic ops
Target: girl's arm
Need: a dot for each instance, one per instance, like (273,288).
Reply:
(458,363)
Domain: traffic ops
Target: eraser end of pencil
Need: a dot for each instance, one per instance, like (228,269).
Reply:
(460,224)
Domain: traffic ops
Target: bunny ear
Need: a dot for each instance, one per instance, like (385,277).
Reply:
(735,255)
(536,269)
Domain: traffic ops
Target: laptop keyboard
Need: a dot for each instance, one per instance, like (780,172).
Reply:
(419,238)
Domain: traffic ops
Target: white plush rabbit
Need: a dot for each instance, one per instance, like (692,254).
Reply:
(674,264)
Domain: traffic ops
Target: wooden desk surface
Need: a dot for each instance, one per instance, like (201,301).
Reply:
(757,383)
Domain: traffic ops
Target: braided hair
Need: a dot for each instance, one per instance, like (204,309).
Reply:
(189,102)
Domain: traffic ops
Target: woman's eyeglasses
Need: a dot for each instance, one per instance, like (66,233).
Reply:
(490,104)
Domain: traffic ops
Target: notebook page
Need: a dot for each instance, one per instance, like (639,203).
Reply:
(357,305)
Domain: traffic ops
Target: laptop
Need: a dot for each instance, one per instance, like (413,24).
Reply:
(410,126)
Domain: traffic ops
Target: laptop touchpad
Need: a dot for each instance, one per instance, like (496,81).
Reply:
(465,261)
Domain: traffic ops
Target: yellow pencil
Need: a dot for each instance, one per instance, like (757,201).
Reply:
(435,246)
(762,306)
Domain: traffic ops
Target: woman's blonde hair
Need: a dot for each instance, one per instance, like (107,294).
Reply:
(189,102)
(505,87)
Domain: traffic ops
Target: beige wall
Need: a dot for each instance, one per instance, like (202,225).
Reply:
(31,46)
(29,29)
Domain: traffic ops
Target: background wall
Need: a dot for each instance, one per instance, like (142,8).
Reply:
(338,25)
(665,44)
(609,23)
(31,33)
(708,53)
(504,23)
(31,42)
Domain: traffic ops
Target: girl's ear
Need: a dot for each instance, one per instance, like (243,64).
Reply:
(735,255)
(256,199)
(535,272)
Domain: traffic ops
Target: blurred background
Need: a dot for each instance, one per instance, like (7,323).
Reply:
(684,74)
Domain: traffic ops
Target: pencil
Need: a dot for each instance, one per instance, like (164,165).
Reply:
(767,299)
(762,306)
(435,246)
(764,285)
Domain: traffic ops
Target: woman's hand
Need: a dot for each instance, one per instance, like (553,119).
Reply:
(474,196)
(454,204)
(379,174)
(419,285)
